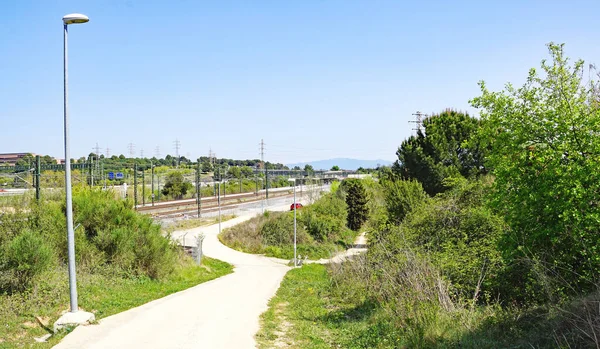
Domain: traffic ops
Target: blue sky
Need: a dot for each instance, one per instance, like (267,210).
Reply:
(315,79)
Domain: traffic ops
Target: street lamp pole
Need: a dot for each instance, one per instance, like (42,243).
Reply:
(295,207)
(69,19)
(219,202)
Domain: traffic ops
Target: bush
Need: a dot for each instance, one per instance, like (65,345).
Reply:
(23,259)
(401,197)
(175,185)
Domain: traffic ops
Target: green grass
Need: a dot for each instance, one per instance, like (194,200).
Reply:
(305,314)
(104,292)
(194,223)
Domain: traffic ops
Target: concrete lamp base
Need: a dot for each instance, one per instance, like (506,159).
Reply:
(73,319)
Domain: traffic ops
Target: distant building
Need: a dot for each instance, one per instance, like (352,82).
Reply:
(12,158)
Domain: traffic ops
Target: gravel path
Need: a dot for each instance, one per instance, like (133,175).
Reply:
(222,313)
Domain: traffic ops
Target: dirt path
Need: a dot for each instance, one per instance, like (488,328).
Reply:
(222,313)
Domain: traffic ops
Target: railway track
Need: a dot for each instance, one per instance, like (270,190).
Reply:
(189,206)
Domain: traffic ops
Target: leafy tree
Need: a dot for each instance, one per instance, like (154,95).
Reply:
(296,168)
(25,160)
(175,185)
(335,168)
(206,166)
(446,147)
(247,171)
(234,172)
(309,169)
(545,156)
(401,197)
(356,199)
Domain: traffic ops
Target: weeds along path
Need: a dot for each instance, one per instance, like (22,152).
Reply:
(222,313)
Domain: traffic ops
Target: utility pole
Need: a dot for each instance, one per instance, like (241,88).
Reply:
(143,186)
(262,160)
(142,153)
(152,175)
(418,120)
(177,145)
(198,190)
(135,186)
(157,152)
(131,148)
(158,187)
(38,169)
(107,152)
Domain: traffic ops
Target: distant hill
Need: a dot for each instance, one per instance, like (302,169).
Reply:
(343,163)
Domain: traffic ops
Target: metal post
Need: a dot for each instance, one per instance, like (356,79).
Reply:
(295,261)
(158,187)
(152,175)
(219,202)
(267,184)
(135,186)
(144,187)
(198,189)
(240,185)
(103,176)
(38,169)
(69,201)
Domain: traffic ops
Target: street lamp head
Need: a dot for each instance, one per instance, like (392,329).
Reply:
(75,18)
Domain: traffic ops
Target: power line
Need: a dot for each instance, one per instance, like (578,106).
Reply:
(418,120)
(262,153)
(131,148)
(177,146)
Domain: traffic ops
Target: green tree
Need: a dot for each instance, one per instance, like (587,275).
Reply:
(356,200)
(175,185)
(401,197)
(207,167)
(26,160)
(335,168)
(247,171)
(545,158)
(234,172)
(309,169)
(447,146)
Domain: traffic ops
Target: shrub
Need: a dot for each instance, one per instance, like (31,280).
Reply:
(175,185)
(401,197)
(25,257)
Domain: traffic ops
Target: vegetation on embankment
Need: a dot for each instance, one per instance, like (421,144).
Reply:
(321,231)
(123,260)
(486,237)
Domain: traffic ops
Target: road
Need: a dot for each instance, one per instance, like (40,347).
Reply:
(222,313)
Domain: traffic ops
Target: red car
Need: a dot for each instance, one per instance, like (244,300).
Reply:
(297,204)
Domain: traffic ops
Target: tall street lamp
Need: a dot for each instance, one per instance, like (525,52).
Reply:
(295,207)
(74,18)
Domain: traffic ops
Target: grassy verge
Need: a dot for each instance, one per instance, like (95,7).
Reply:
(305,314)
(321,231)
(193,223)
(105,292)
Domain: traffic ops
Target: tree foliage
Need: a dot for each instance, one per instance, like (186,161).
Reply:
(546,148)
(175,186)
(356,200)
(401,197)
(445,147)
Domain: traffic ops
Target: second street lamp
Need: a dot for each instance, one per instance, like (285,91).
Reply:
(73,18)
(295,208)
